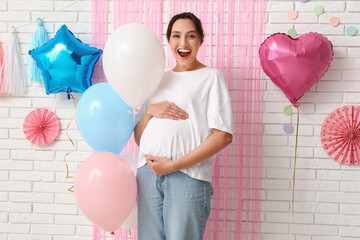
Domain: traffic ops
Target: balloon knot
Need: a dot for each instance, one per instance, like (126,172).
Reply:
(68,90)
(112,233)
(296,105)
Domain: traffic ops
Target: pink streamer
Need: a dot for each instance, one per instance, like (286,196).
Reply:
(248,119)
(258,122)
(126,11)
(239,140)
(238,35)
(96,232)
(99,15)
(1,70)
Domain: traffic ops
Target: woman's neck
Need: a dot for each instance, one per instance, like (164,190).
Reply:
(184,68)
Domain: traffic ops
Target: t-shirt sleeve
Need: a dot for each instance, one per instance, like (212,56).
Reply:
(141,112)
(219,110)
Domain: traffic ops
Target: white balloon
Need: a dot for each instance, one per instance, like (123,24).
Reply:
(132,220)
(134,62)
(131,158)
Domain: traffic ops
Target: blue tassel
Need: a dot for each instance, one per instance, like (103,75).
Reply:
(39,38)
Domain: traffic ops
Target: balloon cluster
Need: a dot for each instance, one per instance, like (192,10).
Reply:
(105,185)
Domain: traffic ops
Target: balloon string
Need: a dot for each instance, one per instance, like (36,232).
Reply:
(67,134)
(296,145)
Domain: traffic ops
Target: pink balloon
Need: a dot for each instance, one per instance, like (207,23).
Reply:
(294,65)
(105,190)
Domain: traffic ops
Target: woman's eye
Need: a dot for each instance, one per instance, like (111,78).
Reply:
(192,36)
(175,36)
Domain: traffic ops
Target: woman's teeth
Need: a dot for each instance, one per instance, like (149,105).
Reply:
(184,52)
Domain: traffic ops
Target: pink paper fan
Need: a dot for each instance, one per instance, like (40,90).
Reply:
(41,126)
(340,135)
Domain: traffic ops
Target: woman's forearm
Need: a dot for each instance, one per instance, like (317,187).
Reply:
(212,145)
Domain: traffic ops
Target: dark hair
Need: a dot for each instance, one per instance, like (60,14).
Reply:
(186,15)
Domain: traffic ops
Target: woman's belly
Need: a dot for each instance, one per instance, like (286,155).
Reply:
(168,138)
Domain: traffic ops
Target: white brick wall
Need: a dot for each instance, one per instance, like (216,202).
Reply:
(35,204)
(34,201)
(327,194)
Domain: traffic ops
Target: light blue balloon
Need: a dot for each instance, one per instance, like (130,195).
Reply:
(104,120)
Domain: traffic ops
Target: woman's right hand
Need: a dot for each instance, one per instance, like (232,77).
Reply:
(167,110)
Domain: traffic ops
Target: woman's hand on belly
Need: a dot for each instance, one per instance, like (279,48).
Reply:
(160,165)
(166,110)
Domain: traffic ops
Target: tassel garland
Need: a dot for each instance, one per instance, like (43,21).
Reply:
(15,81)
(39,38)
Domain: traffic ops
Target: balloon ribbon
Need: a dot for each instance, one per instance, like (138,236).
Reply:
(67,134)
(296,144)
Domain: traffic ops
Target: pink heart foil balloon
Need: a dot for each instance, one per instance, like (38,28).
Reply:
(295,65)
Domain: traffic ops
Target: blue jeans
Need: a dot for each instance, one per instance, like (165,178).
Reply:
(172,207)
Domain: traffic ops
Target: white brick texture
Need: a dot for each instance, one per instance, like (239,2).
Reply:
(35,203)
(326,193)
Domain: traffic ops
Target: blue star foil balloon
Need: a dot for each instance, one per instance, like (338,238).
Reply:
(66,63)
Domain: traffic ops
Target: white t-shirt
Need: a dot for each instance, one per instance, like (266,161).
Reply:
(203,94)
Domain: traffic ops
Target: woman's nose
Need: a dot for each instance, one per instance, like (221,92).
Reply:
(183,42)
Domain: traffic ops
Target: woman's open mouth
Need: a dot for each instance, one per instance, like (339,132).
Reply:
(184,53)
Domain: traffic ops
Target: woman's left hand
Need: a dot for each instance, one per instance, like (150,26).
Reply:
(160,165)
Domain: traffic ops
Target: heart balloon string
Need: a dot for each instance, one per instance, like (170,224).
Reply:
(67,154)
(294,174)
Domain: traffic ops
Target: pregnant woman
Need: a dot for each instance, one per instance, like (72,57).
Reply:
(181,128)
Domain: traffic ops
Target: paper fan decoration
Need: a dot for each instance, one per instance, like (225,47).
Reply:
(340,135)
(41,126)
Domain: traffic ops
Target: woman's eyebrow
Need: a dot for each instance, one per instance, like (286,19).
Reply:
(192,31)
